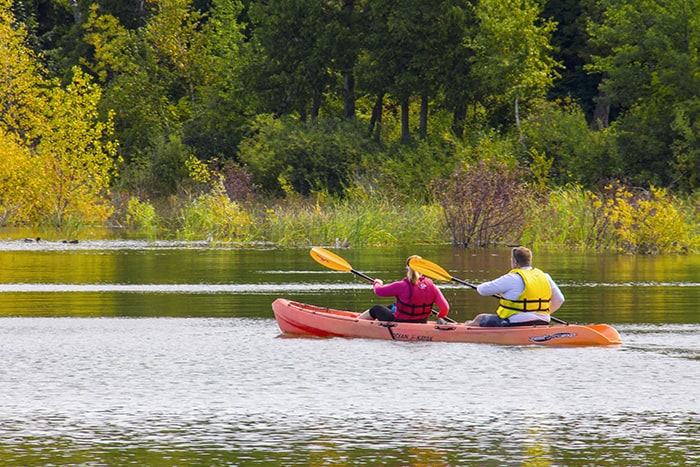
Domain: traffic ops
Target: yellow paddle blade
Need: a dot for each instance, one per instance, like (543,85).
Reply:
(329,260)
(430,269)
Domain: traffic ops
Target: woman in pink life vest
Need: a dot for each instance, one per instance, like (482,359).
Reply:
(414,299)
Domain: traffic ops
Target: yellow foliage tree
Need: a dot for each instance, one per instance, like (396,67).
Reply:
(173,36)
(75,153)
(18,180)
(55,153)
(22,93)
(21,80)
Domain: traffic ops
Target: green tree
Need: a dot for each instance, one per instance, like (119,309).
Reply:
(347,31)
(293,38)
(513,56)
(152,78)
(179,49)
(286,157)
(577,153)
(572,47)
(458,84)
(404,44)
(650,73)
(221,117)
(126,66)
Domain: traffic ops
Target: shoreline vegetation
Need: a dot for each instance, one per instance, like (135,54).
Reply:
(616,219)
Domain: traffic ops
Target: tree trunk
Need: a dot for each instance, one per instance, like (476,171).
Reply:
(521,137)
(315,107)
(376,121)
(76,11)
(458,117)
(423,123)
(601,115)
(405,129)
(283,106)
(349,85)
(349,78)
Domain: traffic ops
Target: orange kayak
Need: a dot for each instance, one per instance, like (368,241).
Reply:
(311,320)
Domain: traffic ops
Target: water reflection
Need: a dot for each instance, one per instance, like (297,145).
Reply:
(179,288)
(136,278)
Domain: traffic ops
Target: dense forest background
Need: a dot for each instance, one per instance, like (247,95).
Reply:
(149,112)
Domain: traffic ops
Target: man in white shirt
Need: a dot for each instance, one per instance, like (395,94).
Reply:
(527,295)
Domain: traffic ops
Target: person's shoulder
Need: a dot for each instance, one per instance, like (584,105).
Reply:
(542,271)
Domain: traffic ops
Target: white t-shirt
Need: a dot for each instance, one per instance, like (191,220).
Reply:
(511,285)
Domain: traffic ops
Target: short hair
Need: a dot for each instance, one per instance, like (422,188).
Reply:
(522,256)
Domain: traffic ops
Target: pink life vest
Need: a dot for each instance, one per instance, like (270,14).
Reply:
(420,303)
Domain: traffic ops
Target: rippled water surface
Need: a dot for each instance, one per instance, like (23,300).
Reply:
(124,353)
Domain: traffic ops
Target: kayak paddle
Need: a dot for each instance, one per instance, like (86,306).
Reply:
(335,262)
(435,271)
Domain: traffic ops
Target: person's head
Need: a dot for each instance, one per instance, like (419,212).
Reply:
(521,257)
(412,275)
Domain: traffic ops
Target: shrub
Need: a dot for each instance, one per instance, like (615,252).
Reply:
(483,203)
(141,215)
(617,217)
(576,153)
(214,216)
(284,155)
(647,221)
(567,217)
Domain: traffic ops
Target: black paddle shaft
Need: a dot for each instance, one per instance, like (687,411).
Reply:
(362,275)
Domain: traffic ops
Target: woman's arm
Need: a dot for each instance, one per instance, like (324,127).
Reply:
(442,303)
(390,290)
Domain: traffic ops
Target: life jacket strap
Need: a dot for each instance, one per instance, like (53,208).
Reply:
(413,309)
(539,301)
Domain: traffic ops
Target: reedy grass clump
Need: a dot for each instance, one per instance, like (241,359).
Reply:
(374,221)
(212,215)
(562,217)
(141,216)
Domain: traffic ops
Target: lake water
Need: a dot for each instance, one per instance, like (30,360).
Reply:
(167,354)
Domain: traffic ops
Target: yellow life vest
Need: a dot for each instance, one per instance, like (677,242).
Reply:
(535,297)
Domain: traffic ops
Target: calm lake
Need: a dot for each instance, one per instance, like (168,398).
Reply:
(167,354)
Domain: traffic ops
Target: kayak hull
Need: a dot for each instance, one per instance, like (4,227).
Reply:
(302,319)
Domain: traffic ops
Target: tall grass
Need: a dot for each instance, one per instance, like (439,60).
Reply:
(372,222)
(564,218)
(616,218)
